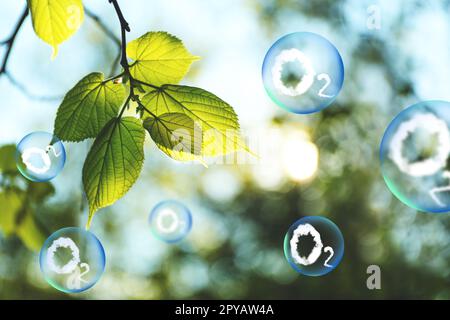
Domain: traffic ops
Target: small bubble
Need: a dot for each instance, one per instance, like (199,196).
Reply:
(72,260)
(40,156)
(314,246)
(170,221)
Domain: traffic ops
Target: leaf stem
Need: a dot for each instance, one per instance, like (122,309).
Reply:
(124,106)
(120,75)
(146,110)
(147,84)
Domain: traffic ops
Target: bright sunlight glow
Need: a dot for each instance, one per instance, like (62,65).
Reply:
(300,157)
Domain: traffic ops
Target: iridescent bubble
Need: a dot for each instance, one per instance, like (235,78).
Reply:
(72,260)
(40,156)
(170,221)
(414,156)
(314,246)
(303,72)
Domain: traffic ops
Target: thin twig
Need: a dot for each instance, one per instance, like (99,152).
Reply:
(125,27)
(109,34)
(9,43)
(28,93)
(102,26)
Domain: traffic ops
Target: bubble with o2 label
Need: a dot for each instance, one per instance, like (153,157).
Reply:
(72,260)
(170,221)
(303,72)
(314,246)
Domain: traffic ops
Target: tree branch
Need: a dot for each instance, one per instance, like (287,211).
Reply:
(109,34)
(28,93)
(125,27)
(102,26)
(10,41)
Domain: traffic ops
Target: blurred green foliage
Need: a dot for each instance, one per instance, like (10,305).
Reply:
(19,198)
(235,249)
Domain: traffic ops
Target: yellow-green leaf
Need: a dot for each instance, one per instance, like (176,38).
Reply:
(88,107)
(176,134)
(55,21)
(113,163)
(216,118)
(30,233)
(17,218)
(159,58)
(8,160)
(12,201)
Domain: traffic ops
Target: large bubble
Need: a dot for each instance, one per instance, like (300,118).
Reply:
(314,246)
(414,156)
(170,221)
(72,260)
(40,156)
(303,72)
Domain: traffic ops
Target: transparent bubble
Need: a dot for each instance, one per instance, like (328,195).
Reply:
(303,72)
(414,156)
(72,260)
(170,221)
(314,246)
(40,156)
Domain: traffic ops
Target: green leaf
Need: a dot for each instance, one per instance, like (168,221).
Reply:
(216,118)
(39,191)
(17,218)
(88,107)
(12,202)
(30,233)
(113,163)
(8,160)
(159,58)
(55,21)
(175,134)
